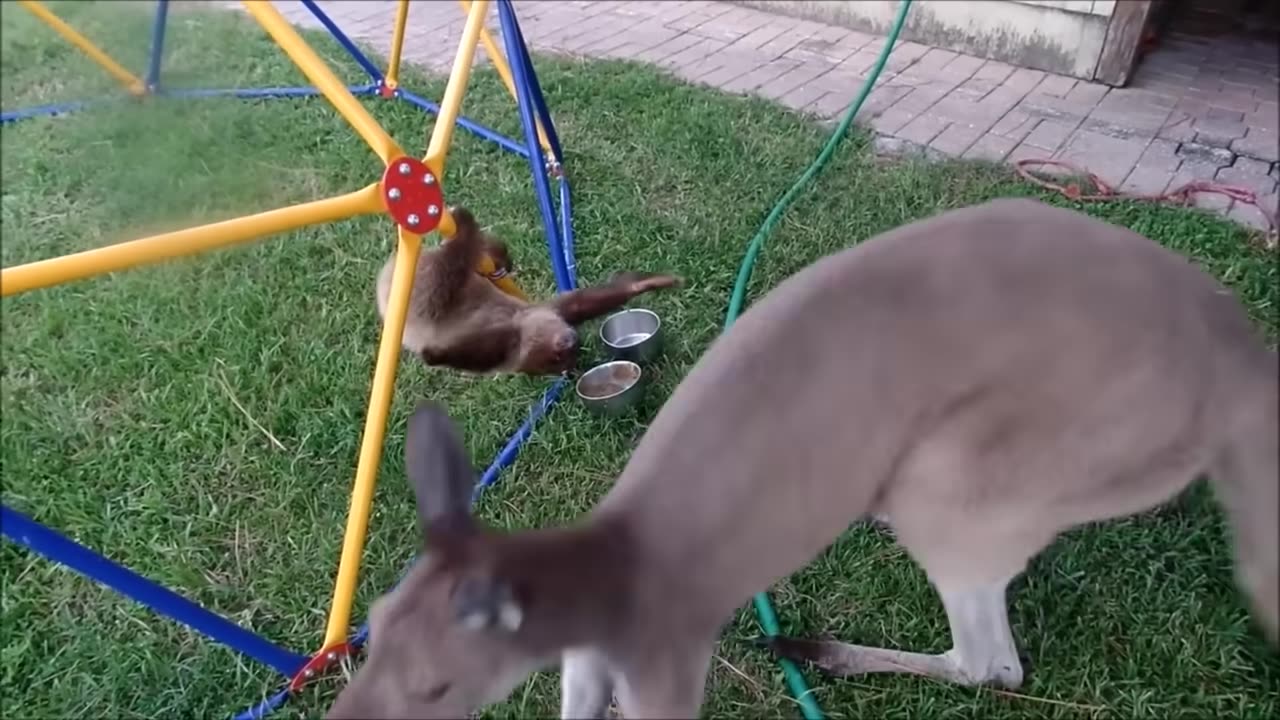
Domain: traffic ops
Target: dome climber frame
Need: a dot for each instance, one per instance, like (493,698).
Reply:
(409,192)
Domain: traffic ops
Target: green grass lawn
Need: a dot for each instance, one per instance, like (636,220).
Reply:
(121,427)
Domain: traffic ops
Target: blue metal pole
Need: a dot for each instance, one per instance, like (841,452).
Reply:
(67,107)
(509,451)
(471,126)
(157,44)
(542,189)
(266,707)
(535,89)
(553,138)
(40,110)
(57,547)
(374,73)
(566,229)
(260,92)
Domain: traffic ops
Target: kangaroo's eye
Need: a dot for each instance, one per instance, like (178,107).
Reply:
(435,693)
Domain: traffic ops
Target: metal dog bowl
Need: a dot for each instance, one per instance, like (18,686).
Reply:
(634,335)
(611,388)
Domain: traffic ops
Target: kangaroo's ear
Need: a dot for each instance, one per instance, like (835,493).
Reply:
(439,470)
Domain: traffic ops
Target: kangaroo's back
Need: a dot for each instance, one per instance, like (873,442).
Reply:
(1011,351)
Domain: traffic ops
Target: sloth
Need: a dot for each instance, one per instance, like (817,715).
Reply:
(459,319)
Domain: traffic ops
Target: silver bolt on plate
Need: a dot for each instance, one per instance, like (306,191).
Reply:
(429,179)
(405,169)
(432,210)
(394,193)
(413,220)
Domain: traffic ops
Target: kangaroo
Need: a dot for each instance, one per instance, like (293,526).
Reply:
(984,379)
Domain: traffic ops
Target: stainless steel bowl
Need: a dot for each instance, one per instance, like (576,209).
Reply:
(611,388)
(634,334)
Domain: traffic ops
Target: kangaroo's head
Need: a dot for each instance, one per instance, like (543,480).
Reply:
(448,639)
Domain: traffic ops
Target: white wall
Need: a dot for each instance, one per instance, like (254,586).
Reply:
(1092,7)
(1062,36)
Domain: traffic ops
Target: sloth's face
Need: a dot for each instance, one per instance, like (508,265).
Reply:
(548,345)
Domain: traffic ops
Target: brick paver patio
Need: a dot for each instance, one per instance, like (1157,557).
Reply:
(1198,109)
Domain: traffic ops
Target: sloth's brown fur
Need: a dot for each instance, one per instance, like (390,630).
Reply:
(459,319)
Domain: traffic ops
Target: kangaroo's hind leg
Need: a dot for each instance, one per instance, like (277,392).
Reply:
(983,650)
(971,568)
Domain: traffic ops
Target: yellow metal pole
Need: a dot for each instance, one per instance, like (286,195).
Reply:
(126,78)
(504,283)
(499,60)
(392,77)
(451,103)
(375,427)
(323,78)
(77,266)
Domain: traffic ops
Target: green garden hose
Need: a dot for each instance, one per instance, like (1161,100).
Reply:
(764,609)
